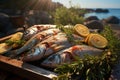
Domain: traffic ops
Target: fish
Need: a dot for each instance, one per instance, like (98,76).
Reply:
(35,29)
(47,47)
(4,47)
(68,55)
(8,44)
(33,41)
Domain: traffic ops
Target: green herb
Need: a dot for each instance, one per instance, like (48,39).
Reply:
(69,31)
(92,67)
(18,42)
(114,42)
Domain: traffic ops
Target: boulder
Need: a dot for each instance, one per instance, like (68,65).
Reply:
(91,18)
(94,24)
(101,10)
(112,20)
(5,24)
(34,17)
(2,34)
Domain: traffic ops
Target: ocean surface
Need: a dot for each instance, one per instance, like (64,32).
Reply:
(112,12)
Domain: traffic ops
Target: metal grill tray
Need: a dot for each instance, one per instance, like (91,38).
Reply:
(25,70)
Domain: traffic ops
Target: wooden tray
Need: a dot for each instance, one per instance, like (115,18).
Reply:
(25,70)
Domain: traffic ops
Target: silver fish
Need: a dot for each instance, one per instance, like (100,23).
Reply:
(36,29)
(47,47)
(34,40)
(68,55)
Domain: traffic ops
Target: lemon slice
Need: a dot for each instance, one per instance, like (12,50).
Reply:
(87,38)
(98,41)
(17,36)
(4,48)
(81,30)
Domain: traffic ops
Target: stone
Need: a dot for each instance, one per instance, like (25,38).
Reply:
(112,20)
(91,18)
(5,24)
(101,10)
(94,24)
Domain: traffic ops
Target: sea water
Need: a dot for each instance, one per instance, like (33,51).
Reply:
(112,12)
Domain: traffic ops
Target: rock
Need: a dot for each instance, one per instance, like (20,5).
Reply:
(34,17)
(112,20)
(91,18)
(94,24)
(17,20)
(2,34)
(101,10)
(116,71)
(5,24)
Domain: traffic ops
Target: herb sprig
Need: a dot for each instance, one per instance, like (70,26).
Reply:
(93,67)
(69,31)
(18,42)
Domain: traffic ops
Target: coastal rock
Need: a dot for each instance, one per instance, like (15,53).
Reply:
(91,18)
(34,17)
(101,10)
(5,24)
(112,20)
(2,34)
(94,24)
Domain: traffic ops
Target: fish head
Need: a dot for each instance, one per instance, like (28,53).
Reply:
(36,53)
(52,61)
(57,59)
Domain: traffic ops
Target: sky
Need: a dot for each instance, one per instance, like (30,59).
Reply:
(91,3)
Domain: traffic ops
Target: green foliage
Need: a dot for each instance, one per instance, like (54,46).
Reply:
(112,39)
(19,42)
(92,67)
(69,34)
(66,16)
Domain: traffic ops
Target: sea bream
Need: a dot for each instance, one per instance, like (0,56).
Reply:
(34,40)
(47,47)
(35,29)
(68,55)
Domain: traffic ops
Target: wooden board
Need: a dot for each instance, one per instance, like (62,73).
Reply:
(25,70)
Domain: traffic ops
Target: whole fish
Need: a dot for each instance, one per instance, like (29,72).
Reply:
(47,47)
(34,40)
(6,46)
(68,55)
(35,29)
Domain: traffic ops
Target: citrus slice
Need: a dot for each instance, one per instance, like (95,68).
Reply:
(98,41)
(4,48)
(17,36)
(87,38)
(81,30)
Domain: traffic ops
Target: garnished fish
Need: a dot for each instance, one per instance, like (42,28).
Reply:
(68,55)
(9,44)
(47,47)
(34,40)
(36,29)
